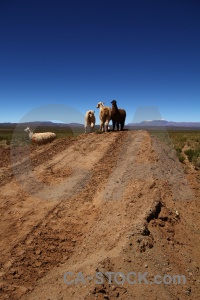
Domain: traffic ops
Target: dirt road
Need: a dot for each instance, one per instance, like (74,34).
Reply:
(112,202)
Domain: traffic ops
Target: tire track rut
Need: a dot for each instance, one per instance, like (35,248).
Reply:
(104,201)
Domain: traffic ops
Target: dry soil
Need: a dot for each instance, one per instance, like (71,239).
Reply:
(111,202)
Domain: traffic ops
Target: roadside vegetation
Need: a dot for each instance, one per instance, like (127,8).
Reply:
(185,142)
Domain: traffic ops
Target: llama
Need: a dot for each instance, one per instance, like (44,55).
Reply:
(40,138)
(104,116)
(118,116)
(89,120)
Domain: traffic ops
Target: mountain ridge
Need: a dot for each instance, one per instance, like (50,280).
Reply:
(147,123)
(164,123)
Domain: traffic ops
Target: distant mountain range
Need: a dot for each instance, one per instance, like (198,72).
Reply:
(153,123)
(40,123)
(164,123)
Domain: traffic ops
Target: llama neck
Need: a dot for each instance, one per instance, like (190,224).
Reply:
(30,134)
(102,106)
(114,108)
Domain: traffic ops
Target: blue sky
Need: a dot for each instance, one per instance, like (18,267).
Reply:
(76,53)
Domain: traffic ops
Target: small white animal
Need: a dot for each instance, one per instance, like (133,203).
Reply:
(90,120)
(40,138)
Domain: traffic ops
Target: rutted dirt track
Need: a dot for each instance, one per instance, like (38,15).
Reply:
(117,202)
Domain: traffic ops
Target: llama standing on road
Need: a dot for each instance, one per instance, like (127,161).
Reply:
(104,116)
(90,120)
(40,138)
(118,116)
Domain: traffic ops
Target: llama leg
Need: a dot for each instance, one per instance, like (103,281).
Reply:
(101,125)
(113,125)
(117,126)
(106,126)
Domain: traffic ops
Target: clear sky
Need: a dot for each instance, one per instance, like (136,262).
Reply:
(143,53)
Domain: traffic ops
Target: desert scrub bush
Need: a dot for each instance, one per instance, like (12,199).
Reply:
(180,138)
(193,156)
(178,151)
(190,154)
(181,157)
(185,138)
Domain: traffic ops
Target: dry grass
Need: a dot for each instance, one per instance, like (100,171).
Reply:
(185,142)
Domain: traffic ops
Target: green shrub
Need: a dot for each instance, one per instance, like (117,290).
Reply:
(181,158)
(190,154)
(193,156)
(178,151)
